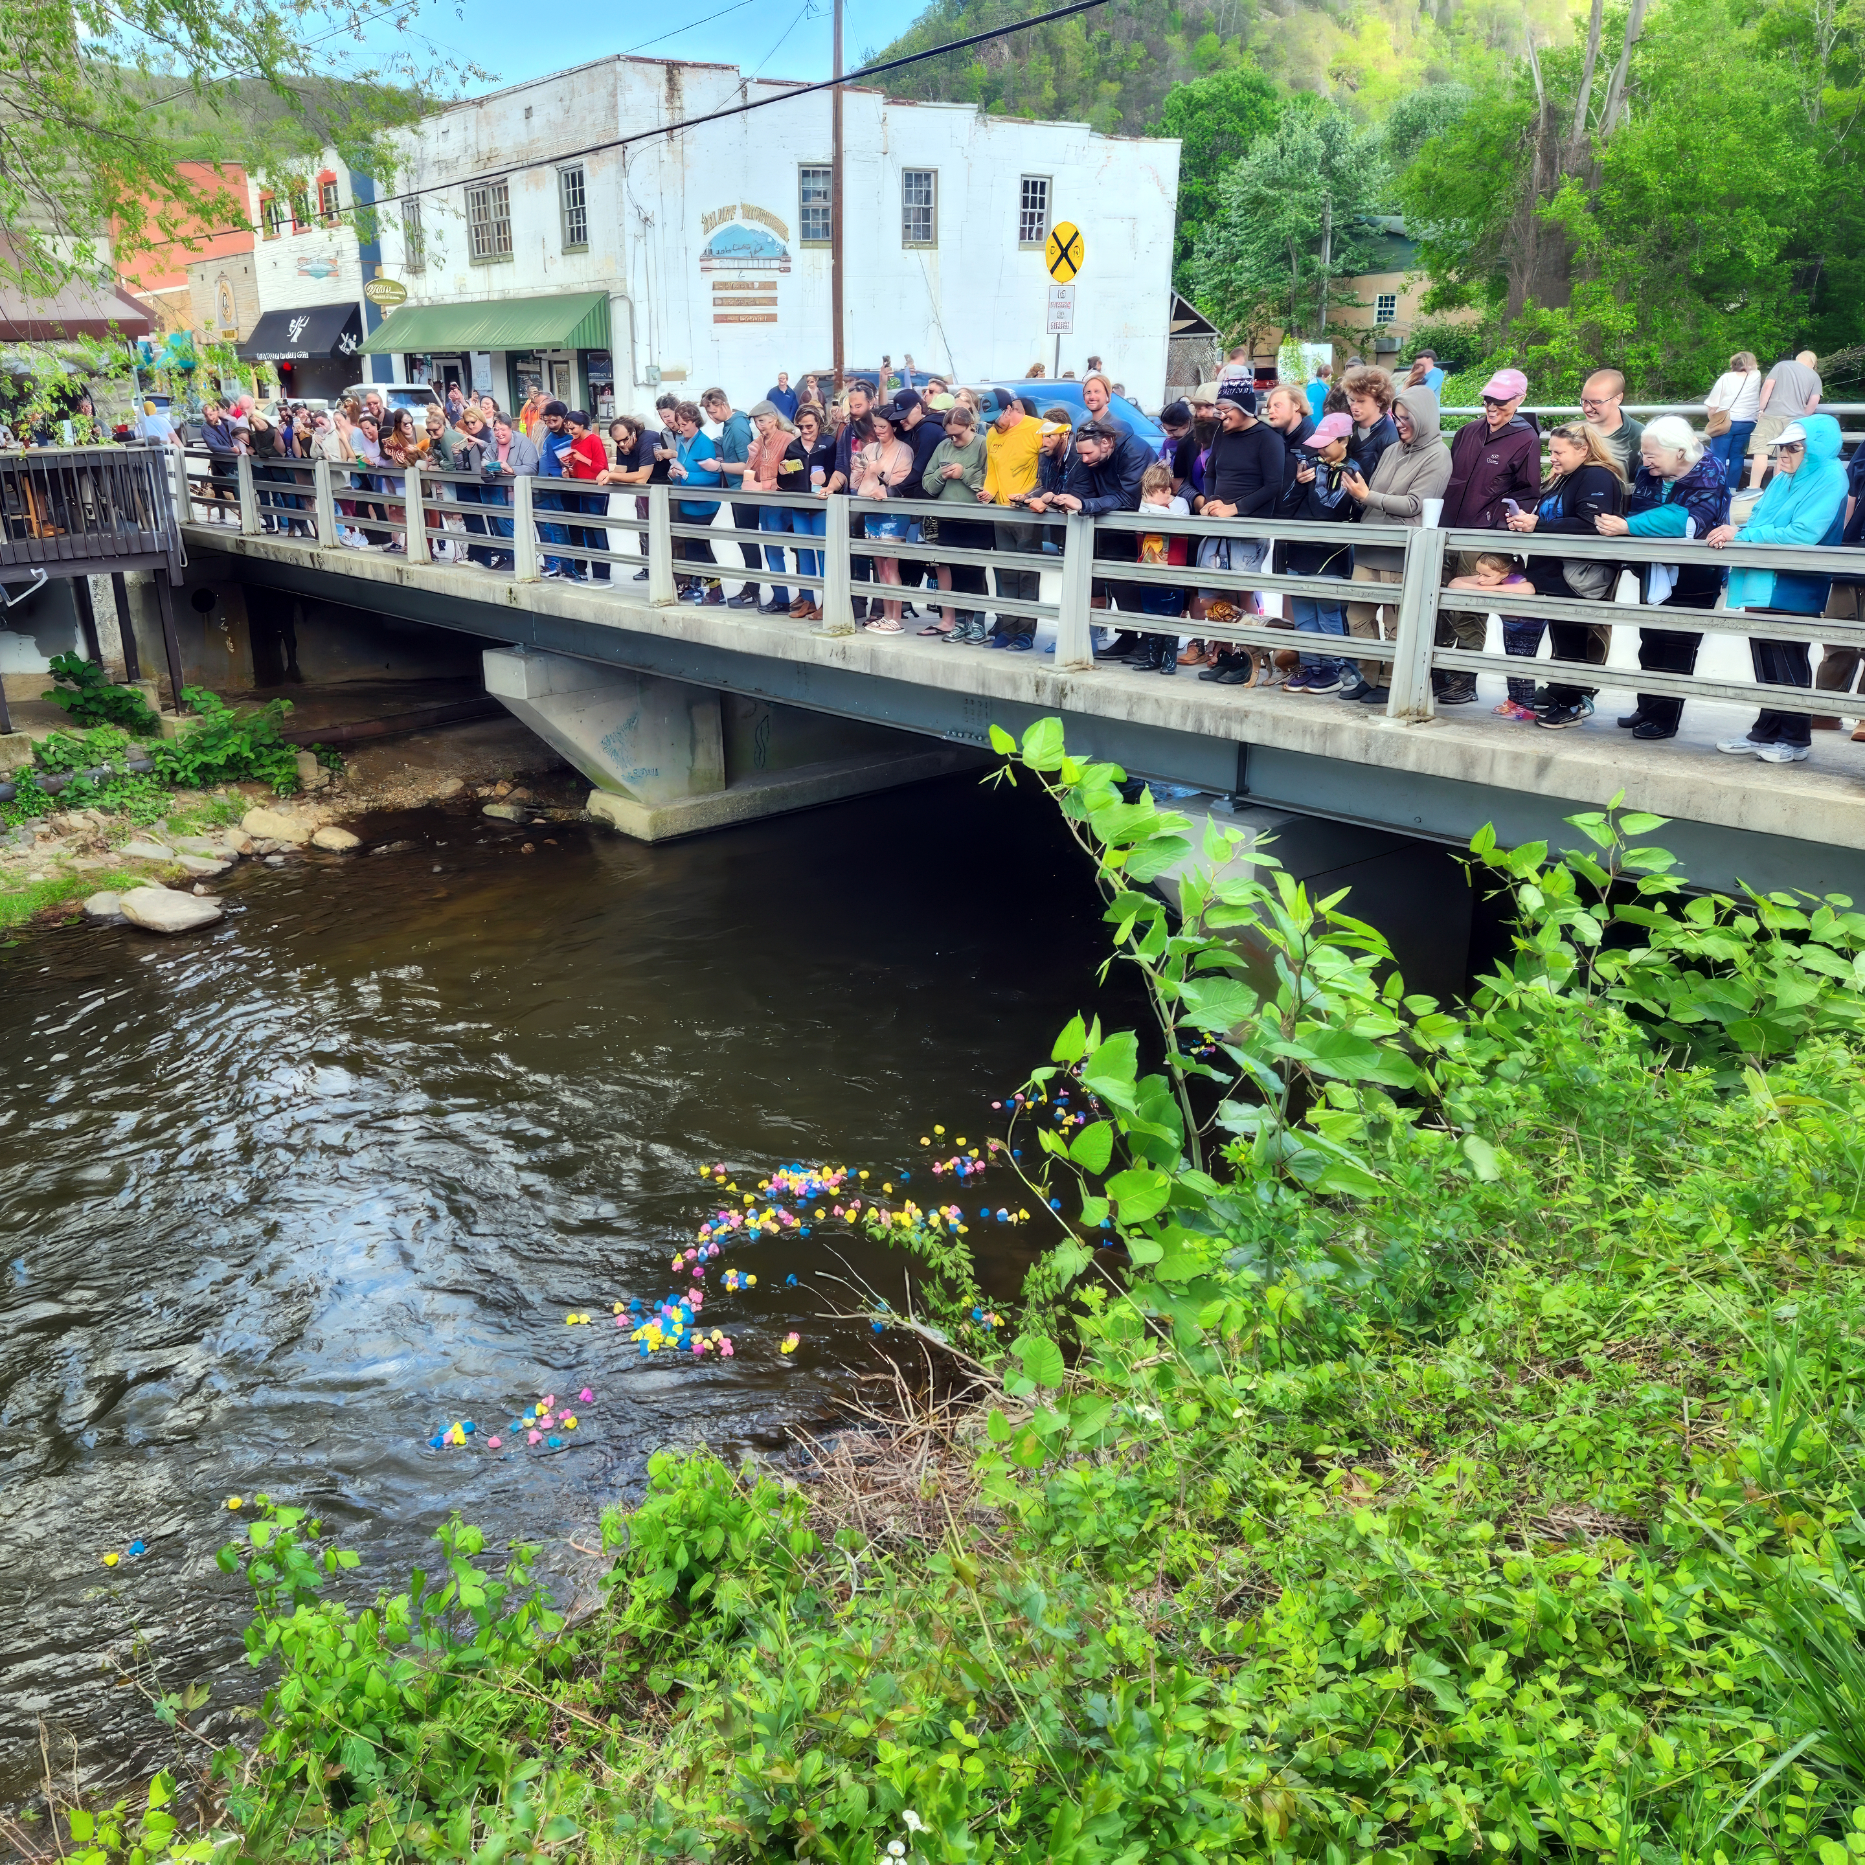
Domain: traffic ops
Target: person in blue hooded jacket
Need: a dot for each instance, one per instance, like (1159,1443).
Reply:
(1805,503)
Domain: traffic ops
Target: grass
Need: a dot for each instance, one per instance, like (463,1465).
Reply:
(26,900)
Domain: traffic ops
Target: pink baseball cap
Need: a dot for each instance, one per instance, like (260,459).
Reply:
(1330,428)
(1507,385)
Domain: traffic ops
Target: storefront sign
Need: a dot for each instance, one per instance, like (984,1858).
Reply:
(386,292)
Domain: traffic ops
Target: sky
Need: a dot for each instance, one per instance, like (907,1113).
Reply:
(771,38)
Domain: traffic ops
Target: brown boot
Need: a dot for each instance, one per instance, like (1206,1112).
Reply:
(800,608)
(815,611)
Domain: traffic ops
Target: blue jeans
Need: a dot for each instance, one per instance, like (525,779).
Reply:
(542,501)
(809,524)
(1730,448)
(775,519)
(1314,617)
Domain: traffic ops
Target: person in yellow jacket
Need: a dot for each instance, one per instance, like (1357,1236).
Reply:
(1011,451)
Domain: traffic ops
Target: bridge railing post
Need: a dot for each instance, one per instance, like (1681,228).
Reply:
(838,607)
(1074,632)
(660,546)
(325,499)
(249,495)
(525,566)
(414,512)
(1410,680)
(178,474)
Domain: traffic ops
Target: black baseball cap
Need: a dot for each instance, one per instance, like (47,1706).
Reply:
(903,404)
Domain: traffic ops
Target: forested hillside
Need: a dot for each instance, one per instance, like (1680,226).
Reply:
(1114,67)
(1653,183)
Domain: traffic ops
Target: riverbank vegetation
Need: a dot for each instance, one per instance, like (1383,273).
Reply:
(1431,1437)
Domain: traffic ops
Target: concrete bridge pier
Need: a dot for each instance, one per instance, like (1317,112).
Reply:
(669,758)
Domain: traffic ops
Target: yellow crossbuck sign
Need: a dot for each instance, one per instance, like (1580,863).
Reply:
(1066,253)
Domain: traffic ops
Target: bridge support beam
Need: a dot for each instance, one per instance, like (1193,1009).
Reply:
(669,758)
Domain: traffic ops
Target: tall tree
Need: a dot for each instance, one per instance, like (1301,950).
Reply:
(1291,223)
(99,98)
(1216,119)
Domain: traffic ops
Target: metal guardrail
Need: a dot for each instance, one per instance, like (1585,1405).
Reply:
(418,511)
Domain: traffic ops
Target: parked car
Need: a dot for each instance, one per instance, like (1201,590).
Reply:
(414,395)
(1046,392)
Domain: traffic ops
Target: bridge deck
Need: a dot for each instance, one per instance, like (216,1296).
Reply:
(1801,825)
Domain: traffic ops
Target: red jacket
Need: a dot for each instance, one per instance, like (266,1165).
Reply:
(1487,468)
(586,458)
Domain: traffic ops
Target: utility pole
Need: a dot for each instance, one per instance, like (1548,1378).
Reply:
(835,206)
(1327,253)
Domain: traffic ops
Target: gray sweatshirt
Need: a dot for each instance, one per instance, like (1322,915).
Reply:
(1405,477)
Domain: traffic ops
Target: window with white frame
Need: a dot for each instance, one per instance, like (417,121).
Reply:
(1033,210)
(919,207)
(573,208)
(489,222)
(1386,308)
(272,216)
(413,238)
(327,200)
(814,185)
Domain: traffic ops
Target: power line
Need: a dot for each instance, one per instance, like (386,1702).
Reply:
(715,116)
(691,26)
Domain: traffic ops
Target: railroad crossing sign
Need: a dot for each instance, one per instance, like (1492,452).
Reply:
(1066,253)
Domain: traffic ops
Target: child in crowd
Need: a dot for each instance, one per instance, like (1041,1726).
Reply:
(1160,653)
(1498,575)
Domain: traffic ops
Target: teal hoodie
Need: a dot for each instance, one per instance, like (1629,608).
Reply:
(1807,507)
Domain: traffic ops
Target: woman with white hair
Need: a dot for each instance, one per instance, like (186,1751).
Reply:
(1680,491)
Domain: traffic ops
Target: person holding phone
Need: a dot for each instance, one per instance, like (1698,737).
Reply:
(818,445)
(1407,476)
(1496,458)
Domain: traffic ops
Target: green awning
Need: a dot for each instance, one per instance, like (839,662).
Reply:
(577,320)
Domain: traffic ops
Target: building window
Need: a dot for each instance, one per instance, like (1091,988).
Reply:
(919,207)
(327,199)
(300,208)
(271,215)
(489,222)
(1033,211)
(813,187)
(573,205)
(1386,308)
(413,239)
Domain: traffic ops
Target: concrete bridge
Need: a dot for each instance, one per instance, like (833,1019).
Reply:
(686,717)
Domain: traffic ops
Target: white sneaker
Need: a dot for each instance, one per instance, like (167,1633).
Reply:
(1739,747)
(1784,754)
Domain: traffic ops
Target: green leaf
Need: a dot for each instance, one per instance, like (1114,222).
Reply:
(1093,1146)
(1093,1210)
(1482,1158)
(1041,1357)
(1639,822)
(1111,1069)
(1216,1003)
(1072,1044)
(998,1427)
(1139,1193)
(1042,745)
(1001,741)
(1155,855)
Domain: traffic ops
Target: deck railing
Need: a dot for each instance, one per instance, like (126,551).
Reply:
(417,510)
(73,511)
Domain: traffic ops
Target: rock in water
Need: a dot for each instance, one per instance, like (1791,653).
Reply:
(104,907)
(200,866)
(338,841)
(276,825)
(506,812)
(450,787)
(160,909)
(140,848)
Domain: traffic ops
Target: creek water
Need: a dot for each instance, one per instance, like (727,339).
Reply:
(280,1201)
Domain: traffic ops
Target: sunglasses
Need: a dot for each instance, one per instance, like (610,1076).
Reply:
(1497,401)
(1791,446)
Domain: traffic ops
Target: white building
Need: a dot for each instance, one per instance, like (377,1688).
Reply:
(532,257)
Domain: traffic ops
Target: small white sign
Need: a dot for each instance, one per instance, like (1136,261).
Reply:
(1061,311)
(482,372)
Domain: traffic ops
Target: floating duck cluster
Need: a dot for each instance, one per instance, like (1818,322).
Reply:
(135,1551)
(544,1423)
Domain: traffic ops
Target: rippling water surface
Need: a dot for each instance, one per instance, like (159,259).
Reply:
(280,1200)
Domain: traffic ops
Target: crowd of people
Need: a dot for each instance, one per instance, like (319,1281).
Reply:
(985,472)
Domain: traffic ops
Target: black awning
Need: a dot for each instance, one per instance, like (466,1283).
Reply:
(298,336)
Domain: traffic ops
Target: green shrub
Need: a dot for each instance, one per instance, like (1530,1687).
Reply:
(85,691)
